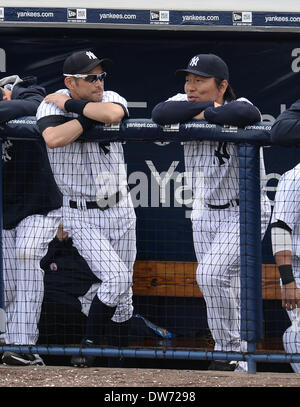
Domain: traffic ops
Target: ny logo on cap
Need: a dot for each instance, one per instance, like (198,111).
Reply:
(194,61)
(91,55)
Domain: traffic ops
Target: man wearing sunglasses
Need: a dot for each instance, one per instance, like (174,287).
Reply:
(97,210)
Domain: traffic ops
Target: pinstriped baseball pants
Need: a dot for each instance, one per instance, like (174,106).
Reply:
(291,337)
(217,246)
(107,242)
(23,249)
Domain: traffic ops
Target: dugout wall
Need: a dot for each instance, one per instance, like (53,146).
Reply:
(263,57)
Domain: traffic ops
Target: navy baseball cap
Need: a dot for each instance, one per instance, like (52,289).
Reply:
(84,61)
(208,65)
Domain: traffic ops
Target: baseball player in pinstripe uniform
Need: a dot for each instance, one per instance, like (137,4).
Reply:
(98,212)
(30,198)
(216,230)
(285,228)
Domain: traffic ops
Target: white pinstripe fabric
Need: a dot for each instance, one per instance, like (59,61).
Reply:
(291,337)
(216,233)
(126,249)
(23,249)
(286,209)
(286,206)
(105,239)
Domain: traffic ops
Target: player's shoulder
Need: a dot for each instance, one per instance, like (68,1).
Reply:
(243,99)
(63,91)
(112,96)
(50,109)
(179,97)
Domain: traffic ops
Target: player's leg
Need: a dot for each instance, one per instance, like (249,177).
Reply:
(204,231)
(118,335)
(291,337)
(215,275)
(33,236)
(219,278)
(9,275)
(125,247)
(242,366)
(105,263)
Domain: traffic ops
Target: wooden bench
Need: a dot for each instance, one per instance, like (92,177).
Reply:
(178,279)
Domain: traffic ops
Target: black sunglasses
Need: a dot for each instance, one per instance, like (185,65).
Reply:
(89,77)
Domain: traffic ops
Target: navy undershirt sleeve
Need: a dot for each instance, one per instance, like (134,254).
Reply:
(177,111)
(51,121)
(236,113)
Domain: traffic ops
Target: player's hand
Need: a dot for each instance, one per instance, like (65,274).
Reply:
(290,295)
(200,116)
(59,99)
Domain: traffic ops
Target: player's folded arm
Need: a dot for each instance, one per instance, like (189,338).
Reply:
(286,131)
(286,128)
(51,121)
(170,112)
(236,113)
(105,112)
(12,109)
(32,93)
(59,131)
(125,110)
(101,112)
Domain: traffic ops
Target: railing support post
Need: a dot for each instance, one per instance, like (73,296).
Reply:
(250,235)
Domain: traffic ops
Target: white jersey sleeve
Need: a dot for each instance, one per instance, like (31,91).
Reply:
(286,208)
(113,97)
(180,97)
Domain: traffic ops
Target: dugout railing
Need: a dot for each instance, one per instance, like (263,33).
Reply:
(249,141)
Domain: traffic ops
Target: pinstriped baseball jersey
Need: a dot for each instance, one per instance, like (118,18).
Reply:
(286,206)
(84,170)
(217,162)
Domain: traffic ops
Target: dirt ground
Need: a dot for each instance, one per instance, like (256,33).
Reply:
(60,376)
